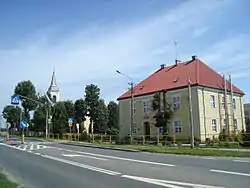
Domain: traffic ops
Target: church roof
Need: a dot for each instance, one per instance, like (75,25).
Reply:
(53,85)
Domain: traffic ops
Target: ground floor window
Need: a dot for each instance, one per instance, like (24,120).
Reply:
(177,126)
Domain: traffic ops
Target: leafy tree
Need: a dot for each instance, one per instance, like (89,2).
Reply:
(113,127)
(100,124)
(80,111)
(69,105)
(12,115)
(39,119)
(162,115)
(27,89)
(59,118)
(92,95)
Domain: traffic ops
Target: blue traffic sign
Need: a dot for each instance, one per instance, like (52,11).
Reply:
(23,124)
(15,99)
(70,120)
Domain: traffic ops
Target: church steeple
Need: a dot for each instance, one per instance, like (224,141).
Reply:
(53,85)
(53,88)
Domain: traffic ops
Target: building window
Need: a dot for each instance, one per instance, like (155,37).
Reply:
(212,100)
(214,126)
(146,106)
(235,125)
(234,104)
(177,102)
(177,127)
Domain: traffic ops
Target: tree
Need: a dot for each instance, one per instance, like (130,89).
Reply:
(27,89)
(80,111)
(39,119)
(113,127)
(92,95)
(100,124)
(59,118)
(12,115)
(69,105)
(162,115)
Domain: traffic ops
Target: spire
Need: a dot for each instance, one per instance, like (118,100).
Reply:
(53,85)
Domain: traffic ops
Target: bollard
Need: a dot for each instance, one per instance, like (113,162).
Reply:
(143,140)
(158,140)
(7,137)
(101,138)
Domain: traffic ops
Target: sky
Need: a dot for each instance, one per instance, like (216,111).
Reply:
(87,41)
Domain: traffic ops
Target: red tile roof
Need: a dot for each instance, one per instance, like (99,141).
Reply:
(176,76)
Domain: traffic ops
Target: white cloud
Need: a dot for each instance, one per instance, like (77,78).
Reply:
(93,54)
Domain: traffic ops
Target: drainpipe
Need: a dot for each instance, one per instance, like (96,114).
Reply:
(204,112)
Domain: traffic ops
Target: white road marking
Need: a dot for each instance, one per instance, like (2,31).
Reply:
(166,183)
(230,172)
(38,146)
(118,158)
(82,165)
(31,146)
(76,155)
(25,147)
(37,153)
(242,161)
(210,158)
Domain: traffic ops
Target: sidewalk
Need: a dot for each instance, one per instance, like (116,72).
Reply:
(228,149)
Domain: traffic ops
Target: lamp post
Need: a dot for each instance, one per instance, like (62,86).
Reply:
(131,83)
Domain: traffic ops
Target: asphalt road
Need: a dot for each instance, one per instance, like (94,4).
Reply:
(45,165)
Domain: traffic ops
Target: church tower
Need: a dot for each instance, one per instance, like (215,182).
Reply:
(54,89)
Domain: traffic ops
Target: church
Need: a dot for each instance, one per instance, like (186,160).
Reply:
(54,90)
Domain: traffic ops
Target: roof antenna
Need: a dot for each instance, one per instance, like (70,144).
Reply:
(176,52)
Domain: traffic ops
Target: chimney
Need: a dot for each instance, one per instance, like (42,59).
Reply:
(177,61)
(162,66)
(194,57)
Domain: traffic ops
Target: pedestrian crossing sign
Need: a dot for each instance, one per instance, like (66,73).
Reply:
(15,99)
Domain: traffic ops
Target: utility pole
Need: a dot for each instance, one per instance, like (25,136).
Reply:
(131,107)
(226,105)
(232,104)
(191,114)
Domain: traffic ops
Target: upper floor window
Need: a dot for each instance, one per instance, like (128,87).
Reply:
(214,125)
(146,106)
(212,100)
(176,102)
(234,103)
(177,126)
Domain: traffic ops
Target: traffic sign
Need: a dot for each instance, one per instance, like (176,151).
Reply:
(70,124)
(70,120)
(15,99)
(77,127)
(23,124)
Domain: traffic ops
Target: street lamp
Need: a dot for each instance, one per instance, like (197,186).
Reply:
(131,83)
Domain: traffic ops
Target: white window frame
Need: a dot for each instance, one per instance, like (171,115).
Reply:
(234,103)
(176,104)
(146,106)
(177,128)
(212,101)
(214,125)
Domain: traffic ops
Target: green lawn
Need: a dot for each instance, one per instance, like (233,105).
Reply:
(179,150)
(5,183)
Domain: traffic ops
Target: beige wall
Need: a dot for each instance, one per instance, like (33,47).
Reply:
(140,116)
(203,113)
(208,112)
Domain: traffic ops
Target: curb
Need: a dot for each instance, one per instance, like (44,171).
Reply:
(101,147)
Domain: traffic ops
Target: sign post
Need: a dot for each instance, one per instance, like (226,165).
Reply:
(70,122)
(15,100)
(23,125)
